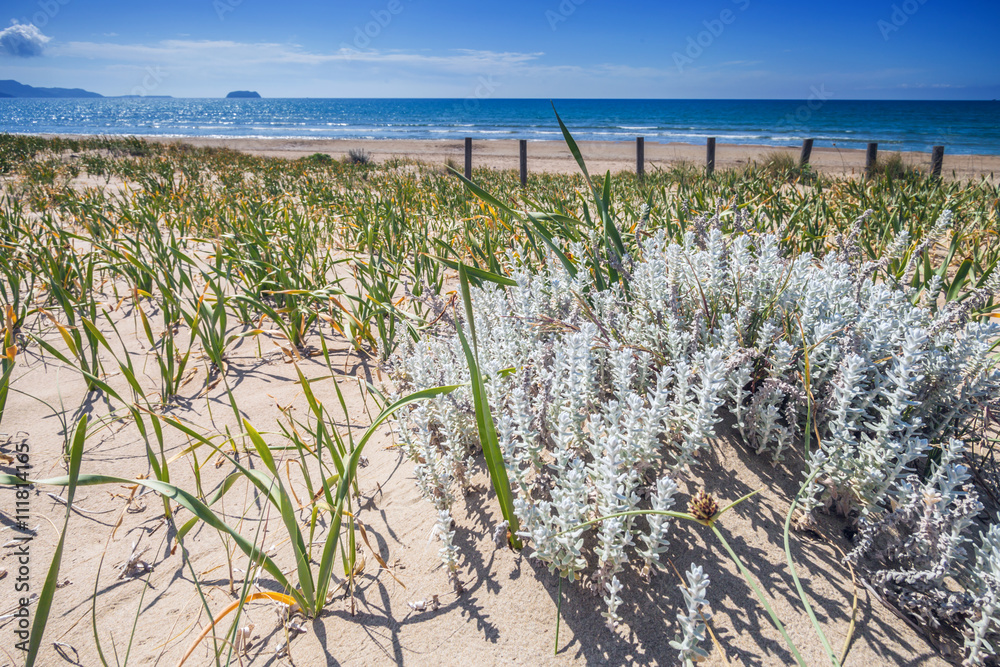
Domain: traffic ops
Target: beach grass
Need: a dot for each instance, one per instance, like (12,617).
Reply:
(194,252)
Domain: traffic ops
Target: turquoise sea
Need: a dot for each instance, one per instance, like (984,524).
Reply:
(962,127)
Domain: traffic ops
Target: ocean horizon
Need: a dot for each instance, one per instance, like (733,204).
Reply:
(969,127)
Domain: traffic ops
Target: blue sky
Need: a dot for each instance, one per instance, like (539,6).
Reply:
(912,49)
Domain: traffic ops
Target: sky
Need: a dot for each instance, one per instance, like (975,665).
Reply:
(723,49)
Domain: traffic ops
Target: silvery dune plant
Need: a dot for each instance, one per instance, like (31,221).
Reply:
(984,587)
(694,617)
(610,367)
(614,393)
(909,551)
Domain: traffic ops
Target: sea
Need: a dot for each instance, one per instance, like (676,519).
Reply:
(962,127)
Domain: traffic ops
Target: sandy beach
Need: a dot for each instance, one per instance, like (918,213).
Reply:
(403,608)
(433,334)
(554,156)
(507,614)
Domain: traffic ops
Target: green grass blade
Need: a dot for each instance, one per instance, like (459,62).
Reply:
(343,488)
(573,148)
(5,387)
(795,576)
(287,510)
(227,484)
(52,578)
(548,241)
(760,596)
(610,229)
(92,380)
(473,272)
(485,196)
(186,500)
(960,279)
(484,420)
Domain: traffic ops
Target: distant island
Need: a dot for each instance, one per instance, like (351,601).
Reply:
(11,88)
(243,94)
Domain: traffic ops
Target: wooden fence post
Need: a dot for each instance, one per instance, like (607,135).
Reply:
(937,160)
(710,161)
(468,158)
(871,157)
(640,157)
(524,162)
(807,149)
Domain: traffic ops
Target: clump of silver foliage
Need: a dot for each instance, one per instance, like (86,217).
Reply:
(615,392)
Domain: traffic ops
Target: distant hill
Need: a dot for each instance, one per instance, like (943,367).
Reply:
(11,88)
(244,94)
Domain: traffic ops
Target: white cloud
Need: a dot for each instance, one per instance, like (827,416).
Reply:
(178,52)
(204,64)
(22,41)
(929,85)
(206,67)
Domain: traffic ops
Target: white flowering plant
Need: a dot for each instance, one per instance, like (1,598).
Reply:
(609,369)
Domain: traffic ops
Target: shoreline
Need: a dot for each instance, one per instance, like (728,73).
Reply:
(553,156)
